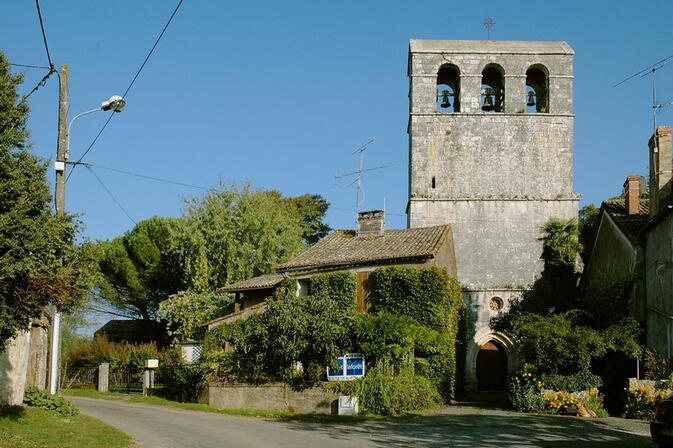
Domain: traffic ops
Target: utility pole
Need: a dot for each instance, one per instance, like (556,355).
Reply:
(59,165)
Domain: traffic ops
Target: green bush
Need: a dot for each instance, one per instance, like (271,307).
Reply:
(525,393)
(384,393)
(41,399)
(180,381)
(578,382)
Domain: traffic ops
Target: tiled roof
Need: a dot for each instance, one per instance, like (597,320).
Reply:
(345,248)
(630,225)
(261,282)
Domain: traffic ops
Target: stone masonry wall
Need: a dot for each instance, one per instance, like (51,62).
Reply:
(496,242)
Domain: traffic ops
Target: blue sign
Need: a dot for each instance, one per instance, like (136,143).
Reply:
(354,368)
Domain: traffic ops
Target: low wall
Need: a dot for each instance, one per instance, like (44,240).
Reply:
(277,397)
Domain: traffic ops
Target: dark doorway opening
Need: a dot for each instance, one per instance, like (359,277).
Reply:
(492,366)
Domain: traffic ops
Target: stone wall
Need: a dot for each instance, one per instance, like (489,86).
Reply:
(13,365)
(277,397)
(496,242)
(659,287)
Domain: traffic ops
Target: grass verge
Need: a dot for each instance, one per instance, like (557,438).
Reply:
(260,413)
(38,428)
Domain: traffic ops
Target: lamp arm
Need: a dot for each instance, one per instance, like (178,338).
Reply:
(67,146)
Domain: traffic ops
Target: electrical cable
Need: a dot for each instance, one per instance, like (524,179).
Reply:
(156,42)
(44,35)
(41,67)
(107,190)
(144,176)
(51,68)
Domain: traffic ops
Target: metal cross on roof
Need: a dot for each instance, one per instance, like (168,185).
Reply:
(488,24)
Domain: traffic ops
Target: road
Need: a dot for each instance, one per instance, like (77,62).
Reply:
(162,427)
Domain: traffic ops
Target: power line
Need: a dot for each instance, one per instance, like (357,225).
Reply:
(156,42)
(51,68)
(152,49)
(144,176)
(107,190)
(44,35)
(40,83)
(42,67)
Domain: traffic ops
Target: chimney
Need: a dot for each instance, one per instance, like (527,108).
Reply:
(661,161)
(371,223)
(632,194)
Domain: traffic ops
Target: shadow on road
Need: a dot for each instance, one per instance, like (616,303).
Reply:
(476,428)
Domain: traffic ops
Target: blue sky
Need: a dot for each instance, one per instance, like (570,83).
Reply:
(281,93)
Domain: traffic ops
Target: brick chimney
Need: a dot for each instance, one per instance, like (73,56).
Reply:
(661,165)
(632,194)
(371,223)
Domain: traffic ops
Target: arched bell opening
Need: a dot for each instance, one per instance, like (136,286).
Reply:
(537,90)
(448,89)
(492,89)
(491,366)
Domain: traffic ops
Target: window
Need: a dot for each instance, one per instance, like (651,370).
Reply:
(537,90)
(448,89)
(492,89)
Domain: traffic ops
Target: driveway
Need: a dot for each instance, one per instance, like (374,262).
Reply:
(456,426)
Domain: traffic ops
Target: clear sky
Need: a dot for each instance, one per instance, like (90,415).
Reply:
(281,93)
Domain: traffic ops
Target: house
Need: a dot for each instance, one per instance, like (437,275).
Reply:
(359,251)
(133,331)
(635,237)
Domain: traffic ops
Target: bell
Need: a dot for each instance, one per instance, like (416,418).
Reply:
(531,99)
(488,103)
(445,99)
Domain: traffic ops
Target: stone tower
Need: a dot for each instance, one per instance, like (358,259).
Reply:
(490,152)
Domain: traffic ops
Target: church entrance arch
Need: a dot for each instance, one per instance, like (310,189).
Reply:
(491,366)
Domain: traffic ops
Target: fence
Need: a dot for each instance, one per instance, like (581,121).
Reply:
(123,379)
(83,377)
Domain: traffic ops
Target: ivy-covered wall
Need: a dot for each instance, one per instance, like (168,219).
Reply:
(431,298)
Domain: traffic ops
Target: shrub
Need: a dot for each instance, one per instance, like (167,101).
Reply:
(578,382)
(385,393)
(570,403)
(181,382)
(98,350)
(642,402)
(525,393)
(41,399)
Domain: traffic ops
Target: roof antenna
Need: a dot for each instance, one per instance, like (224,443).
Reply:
(358,174)
(651,70)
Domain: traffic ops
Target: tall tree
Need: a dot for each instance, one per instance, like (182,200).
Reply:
(234,234)
(39,263)
(140,268)
(310,209)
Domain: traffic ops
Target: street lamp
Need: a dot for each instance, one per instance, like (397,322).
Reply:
(116,104)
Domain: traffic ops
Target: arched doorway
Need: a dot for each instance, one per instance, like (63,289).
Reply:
(491,366)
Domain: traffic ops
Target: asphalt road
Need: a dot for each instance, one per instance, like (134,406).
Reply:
(161,427)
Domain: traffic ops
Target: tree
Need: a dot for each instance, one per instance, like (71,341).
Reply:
(560,328)
(310,209)
(140,269)
(39,262)
(235,234)
(588,223)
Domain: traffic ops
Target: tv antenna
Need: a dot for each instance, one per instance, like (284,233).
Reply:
(651,70)
(358,173)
